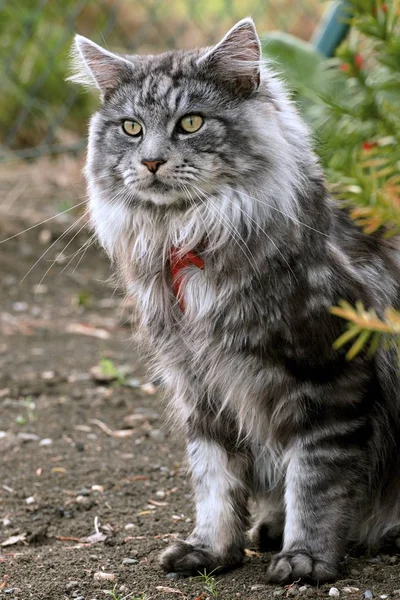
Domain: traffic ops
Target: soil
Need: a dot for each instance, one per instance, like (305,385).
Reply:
(73,461)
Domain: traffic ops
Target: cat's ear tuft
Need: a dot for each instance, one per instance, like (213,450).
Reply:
(236,59)
(95,67)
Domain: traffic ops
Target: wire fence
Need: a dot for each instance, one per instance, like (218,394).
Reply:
(42,114)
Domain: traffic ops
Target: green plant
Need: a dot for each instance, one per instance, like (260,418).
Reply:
(114,595)
(210,585)
(109,370)
(353,104)
(29,415)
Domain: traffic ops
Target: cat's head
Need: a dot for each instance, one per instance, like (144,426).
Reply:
(177,128)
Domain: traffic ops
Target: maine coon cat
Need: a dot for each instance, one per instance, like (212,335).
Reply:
(206,195)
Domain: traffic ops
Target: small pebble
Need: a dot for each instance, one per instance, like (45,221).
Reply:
(334,592)
(350,590)
(80,598)
(83,492)
(129,561)
(384,596)
(97,488)
(278,592)
(368,595)
(71,584)
(48,375)
(303,589)
(172,576)
(129,526)
(160,494)
(19,307)
(101,576)
(30,500)
(258,586)
(45,442)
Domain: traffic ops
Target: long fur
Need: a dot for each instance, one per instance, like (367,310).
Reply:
(270,410)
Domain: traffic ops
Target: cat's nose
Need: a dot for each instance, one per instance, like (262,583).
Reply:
(154,164)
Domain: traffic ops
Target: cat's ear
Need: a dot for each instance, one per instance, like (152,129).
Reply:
(93,66)
(236,59)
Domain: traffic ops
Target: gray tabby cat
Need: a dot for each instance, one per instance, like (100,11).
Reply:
(206,194)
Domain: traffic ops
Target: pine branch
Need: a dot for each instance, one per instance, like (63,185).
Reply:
(366,329)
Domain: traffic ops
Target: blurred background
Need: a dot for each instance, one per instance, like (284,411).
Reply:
(40,113)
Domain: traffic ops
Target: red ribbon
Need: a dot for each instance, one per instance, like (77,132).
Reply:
(178,262)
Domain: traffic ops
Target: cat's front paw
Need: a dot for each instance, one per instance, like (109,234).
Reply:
(287,567)
(188,559)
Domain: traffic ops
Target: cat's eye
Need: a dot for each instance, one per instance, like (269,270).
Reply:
(191,123)
(132,128)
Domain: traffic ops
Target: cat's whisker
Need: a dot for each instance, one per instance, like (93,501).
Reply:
(61,237)
(277,209)
(82,250)
(56,260)
(43,222)
(233,230)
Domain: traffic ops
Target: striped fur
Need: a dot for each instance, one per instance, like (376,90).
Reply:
(271,412)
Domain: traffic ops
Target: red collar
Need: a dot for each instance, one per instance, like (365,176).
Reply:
(177,263)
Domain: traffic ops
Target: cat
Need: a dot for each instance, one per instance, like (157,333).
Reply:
(206,194)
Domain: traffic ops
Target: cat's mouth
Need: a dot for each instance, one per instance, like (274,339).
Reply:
(159,186)
(156,185)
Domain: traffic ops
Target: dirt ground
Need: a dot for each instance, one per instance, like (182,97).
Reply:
(92,484)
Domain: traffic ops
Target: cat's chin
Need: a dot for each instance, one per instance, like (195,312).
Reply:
(163,198)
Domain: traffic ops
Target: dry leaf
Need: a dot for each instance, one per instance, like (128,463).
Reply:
(157,503)
(58,470)
(82,329)
(148,388)
(119,433)
(134,478)
(95,538)
(169,590)
(14,539)
(250,553)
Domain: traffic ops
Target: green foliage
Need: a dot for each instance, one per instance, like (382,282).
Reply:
(39,107)
(366,329)
(29,407)
(353,104)
(210,585)
(111,372)
(300,63)
(114,595)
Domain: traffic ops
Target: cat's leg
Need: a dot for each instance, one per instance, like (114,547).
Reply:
(324,488)
(267,531)
(221,485)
